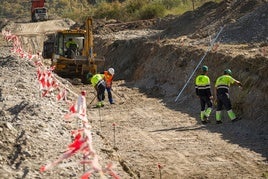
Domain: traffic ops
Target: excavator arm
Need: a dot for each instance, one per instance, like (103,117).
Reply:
(88,44)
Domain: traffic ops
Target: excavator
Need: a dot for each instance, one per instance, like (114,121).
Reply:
(38,11)
(75,59)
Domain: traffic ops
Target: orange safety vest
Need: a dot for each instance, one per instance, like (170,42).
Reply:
(108,79)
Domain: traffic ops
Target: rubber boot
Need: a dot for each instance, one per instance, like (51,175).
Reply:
(203,117)
(102,103)
(218,117)
(208,111)
(99,104)
(111,100)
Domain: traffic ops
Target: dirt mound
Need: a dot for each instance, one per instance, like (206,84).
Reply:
(242,20)
(252,27)
(39,27)
(103,27)
(25,119)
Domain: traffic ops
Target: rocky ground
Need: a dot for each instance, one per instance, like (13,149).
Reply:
(146,134)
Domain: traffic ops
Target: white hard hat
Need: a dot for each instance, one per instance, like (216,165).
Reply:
(111,71)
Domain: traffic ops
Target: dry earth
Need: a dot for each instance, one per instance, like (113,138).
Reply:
(154,137)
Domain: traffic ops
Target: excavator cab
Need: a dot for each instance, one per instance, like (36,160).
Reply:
(69,45)
(68,57)
(72,55)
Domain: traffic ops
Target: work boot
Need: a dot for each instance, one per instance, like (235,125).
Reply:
(218,122)
(206,119)
(99,104)
(111,101)
(236,119)
(204,122)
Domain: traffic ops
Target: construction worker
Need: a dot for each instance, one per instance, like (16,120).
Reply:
(203,91)
(222,86)
(108,77)
(72,48)
(70,42)
(98,83)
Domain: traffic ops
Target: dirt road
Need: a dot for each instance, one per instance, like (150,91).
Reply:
(149,133)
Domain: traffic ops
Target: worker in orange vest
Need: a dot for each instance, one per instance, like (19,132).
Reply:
(108,77)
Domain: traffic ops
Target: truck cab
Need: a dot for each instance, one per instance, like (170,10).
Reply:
(39,14)
(38,11)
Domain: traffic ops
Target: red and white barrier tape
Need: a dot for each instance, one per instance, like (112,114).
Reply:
(83,138)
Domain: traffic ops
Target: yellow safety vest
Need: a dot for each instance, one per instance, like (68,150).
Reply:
(96,78)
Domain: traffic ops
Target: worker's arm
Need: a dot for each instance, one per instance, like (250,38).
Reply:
(238,83)
(234,81)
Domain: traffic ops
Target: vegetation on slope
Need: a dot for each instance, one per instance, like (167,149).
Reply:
(124,10)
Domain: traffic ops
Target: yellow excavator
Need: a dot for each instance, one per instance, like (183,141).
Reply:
(71,52)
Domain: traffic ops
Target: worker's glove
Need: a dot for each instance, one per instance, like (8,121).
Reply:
(240,86)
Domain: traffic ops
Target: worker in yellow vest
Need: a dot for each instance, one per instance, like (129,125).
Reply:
(71,42)
(72,48)
(98,83)
(222,86)
(108,77)
(203,91)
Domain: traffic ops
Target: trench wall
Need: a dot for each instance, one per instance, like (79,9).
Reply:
(151,66)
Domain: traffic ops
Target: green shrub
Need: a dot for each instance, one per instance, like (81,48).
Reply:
(132,6)
(150,11)
(109,10)
(124,10)
(170,4)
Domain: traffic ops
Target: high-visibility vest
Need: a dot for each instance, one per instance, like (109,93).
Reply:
(96,79)
(223,83)
(202,85)
(69,43)
(108,78)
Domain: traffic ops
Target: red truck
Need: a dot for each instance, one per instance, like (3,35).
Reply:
(38,10)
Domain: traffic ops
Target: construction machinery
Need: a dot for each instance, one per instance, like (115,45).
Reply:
(38,11)
(76,59)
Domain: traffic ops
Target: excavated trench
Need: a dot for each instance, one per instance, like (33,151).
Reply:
(167,67)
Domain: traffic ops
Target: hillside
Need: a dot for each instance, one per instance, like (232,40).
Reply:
(146,134)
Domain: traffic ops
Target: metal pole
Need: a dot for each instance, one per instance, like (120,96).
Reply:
(209,49)
(100,118)
(114,133)
(93,100)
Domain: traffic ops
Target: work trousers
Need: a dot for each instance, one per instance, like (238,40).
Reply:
(223,100)
(204,100)
(110,97)
(101,90)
